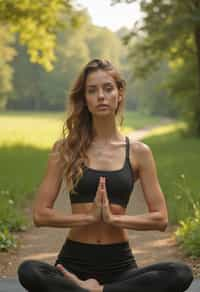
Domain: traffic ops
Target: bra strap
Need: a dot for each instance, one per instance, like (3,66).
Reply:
(127,147)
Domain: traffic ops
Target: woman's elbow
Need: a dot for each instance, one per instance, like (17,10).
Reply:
(37,219)
(163,224)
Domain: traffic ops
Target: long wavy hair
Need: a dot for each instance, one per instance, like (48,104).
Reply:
(77,130)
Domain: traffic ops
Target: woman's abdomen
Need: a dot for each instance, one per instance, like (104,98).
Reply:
(98,233)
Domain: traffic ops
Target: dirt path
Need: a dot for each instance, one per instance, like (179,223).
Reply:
(44,243)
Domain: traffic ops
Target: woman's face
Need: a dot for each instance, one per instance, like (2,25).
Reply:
(101,89)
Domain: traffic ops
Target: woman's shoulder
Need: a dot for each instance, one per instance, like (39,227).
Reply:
(140,153)
(55,151)
(57,144)
(139,147)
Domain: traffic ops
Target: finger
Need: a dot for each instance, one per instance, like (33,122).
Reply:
(98,197)
(102,179)
(101,186)
(67,274)
(98,187)
(61,268)
(105,201)
(105,197)
(102,183)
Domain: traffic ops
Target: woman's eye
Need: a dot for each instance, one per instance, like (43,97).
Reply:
(109,89)
(91,91)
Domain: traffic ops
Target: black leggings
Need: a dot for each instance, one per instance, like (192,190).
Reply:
(112,265)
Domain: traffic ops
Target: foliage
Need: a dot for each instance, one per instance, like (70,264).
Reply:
(42,90)
(35,21)
(7,54)
(7,240)
(188,233)
(170,30)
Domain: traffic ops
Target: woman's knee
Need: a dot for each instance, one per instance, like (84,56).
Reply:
(183,274)
(28,273)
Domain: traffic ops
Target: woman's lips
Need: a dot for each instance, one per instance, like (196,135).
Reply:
(102,106)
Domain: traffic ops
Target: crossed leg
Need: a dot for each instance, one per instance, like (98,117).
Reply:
(164,276)
(38,276)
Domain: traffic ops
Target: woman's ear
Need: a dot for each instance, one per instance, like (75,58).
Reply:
(120,98)
(120,94)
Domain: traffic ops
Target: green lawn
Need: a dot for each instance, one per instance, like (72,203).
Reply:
(177,159)
(136,120)
(41,129)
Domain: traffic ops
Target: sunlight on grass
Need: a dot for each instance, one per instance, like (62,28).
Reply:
(41,130)
(166,129)
(33,130)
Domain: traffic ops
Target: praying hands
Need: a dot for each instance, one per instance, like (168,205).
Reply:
(101,209)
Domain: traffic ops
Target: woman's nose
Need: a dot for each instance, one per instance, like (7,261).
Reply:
(100,93)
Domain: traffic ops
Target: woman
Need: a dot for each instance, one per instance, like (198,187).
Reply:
(100,166)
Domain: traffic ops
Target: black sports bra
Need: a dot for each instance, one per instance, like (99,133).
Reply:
(119,183)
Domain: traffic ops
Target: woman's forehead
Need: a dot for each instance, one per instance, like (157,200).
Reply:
(99,77)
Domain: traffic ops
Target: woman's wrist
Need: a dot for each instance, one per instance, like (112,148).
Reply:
(77,220)
(115,220)
(53,218)
(149,221)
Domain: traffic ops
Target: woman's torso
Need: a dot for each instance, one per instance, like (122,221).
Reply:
(111,158)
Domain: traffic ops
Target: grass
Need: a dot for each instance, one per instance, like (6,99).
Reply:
(137,120)
(41,129)
(177,159)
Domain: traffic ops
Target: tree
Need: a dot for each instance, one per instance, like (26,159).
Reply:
(170,29)
(36,89)
(36,22)
(36,25)
(7,54)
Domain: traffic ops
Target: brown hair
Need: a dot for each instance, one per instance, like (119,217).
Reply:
(78,124)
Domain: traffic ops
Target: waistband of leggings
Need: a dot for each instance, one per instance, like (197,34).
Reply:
(91,253)
(85,250)
(120,245)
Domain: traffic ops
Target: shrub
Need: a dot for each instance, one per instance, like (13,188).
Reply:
(188,234)
(7,240)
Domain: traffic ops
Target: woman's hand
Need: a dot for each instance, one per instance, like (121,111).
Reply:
(101,210)
(97,205)
(107,216)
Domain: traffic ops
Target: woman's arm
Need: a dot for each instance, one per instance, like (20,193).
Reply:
(157,218)
(43,212)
